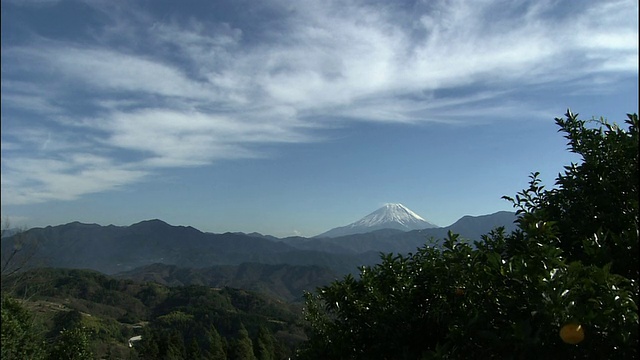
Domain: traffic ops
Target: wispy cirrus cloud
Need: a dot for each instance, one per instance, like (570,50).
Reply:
(155,91)
(28,180)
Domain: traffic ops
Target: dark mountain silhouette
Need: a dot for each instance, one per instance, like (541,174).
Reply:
(115,249)
(470,228)
(474,227)
(112,249)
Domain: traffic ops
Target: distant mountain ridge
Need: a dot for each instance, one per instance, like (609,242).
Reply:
(115,249)
(389,216)
(470,228)
(475,226)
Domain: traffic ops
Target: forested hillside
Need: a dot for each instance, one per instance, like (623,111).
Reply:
(66,312)
(281,281)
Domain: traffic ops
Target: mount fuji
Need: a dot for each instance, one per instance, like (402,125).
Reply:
(390,216)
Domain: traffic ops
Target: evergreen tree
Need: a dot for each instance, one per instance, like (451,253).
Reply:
(241,348)
(193,350)
(175,347)
(265,344)
(148,348)
(215,348)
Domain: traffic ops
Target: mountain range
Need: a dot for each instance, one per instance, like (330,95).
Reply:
(154,273)
(112,249)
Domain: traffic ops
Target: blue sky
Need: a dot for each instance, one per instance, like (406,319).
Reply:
(294,117)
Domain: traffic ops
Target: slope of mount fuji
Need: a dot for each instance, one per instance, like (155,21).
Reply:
(390,216)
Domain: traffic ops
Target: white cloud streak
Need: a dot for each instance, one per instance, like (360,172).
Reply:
(200,91)
(33,180)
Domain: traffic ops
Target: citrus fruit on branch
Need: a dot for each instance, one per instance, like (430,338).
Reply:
(572,333)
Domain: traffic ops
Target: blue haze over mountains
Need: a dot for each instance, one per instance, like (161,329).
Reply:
(115,249)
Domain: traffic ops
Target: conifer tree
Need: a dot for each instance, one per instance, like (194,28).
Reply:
(241,348)
(265,344)
(216,348)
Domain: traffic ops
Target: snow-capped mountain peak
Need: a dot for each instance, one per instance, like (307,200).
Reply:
(390,216)
(390,213)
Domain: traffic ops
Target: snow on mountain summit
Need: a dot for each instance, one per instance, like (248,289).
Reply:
(390,216)
(391,213)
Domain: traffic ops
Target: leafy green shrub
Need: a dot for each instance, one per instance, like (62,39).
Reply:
(72,344)
(573,260)
(20,337)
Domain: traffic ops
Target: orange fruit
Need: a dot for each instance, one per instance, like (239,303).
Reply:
(572,333)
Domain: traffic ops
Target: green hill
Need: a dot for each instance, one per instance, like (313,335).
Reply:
(182,319)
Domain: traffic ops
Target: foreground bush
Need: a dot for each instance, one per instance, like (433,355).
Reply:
(564,285)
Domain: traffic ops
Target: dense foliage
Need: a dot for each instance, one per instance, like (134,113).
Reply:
(196,322)
(596,205)
(19,335)
(570,269)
